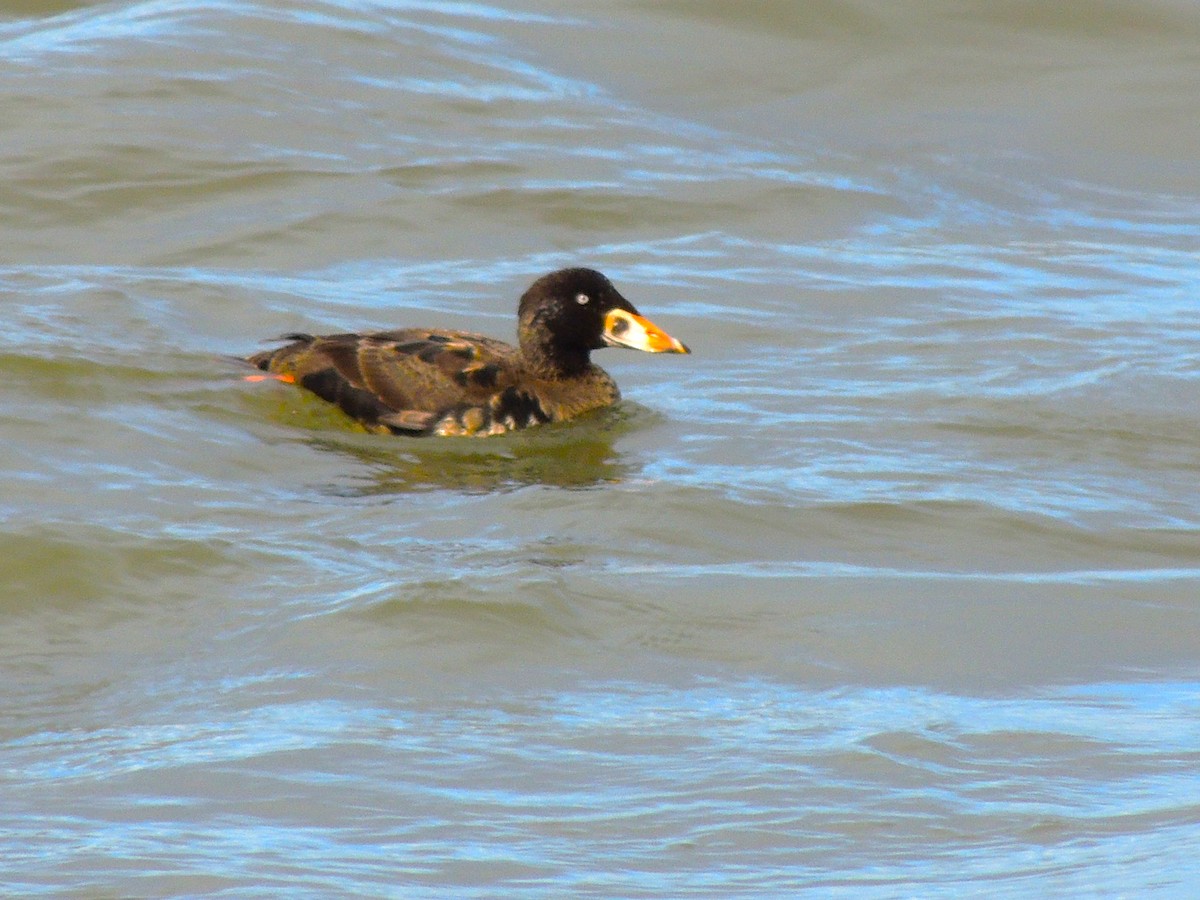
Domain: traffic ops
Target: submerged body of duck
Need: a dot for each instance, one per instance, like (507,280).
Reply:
(420,381)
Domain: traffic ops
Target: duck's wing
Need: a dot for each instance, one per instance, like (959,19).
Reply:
(412,381)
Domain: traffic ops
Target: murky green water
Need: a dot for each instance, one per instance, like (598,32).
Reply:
(891,589)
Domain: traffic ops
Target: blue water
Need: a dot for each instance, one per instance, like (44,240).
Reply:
(624,789)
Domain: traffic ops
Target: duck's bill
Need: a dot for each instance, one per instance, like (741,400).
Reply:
(626,329)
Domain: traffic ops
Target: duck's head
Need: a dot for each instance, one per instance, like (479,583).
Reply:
(567,314)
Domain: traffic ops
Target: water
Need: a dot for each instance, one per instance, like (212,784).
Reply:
(889,590)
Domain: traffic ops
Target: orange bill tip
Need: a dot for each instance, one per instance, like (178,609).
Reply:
(658,341)
(286,379)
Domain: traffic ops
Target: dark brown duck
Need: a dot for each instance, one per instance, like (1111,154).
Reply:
(419,381)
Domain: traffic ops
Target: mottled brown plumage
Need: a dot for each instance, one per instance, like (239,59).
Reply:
(427,381)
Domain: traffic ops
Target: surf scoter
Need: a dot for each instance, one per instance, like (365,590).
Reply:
(418,381)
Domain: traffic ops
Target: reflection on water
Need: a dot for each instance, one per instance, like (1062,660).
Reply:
(578,454)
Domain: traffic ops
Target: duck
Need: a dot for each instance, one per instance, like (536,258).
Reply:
(436,382)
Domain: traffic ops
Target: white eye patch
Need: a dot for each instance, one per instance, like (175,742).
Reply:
(581,299)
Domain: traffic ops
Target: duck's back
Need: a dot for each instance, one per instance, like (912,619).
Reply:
(428,381)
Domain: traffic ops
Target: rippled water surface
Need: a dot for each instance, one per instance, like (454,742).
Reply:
(891,589)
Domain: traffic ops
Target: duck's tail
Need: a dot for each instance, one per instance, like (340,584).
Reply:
(296,340)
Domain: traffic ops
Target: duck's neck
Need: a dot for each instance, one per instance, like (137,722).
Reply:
(552,358)
(556,362)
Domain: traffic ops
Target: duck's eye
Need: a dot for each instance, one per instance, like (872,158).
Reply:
(581,299)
